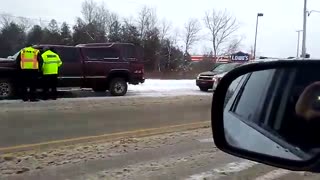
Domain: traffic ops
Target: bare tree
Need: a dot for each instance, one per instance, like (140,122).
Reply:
(221,26)
(112,21)
(113,18)
(5,19)
(104,17)
(191,30)
(93,12)
(147,20)
(24,23)
(233,46)
(165,27)
(170,43)
(88,10)
(98,16)
(129,20)
(205,50)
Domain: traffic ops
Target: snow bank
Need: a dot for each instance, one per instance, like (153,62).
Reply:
(158,88)
(151,88)
(165,85)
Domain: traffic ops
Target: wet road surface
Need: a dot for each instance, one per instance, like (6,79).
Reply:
(28,123)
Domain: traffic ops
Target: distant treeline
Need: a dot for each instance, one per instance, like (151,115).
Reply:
(97,24)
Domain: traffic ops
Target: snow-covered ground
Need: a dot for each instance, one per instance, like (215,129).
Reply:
(157,87)
(154,88)
(150,88)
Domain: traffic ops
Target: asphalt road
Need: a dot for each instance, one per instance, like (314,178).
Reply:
(26,122)
(187,155)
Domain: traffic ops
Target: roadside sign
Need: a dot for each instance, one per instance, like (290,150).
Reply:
(240,57)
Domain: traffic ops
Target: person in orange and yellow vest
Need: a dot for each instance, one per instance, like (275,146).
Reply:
(30,62)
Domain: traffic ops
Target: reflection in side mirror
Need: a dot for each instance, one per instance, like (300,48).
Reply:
(270,113)
(252,108)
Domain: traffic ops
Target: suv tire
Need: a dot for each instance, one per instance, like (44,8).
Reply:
(204,89)
(6,89)
(118,87)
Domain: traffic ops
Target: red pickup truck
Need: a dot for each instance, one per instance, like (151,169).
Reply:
(100,66)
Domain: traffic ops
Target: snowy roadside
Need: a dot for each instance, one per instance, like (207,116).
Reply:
(35,161)
(189,155)
(158,87)
(151,88)
(165,85)
(79,104)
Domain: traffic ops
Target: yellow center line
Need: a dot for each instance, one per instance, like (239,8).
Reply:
(112,136)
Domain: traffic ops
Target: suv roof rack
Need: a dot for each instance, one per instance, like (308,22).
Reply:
(51,45)
(109,44)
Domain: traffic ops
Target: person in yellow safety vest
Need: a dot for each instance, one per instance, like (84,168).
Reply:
(50,71)
(29,62)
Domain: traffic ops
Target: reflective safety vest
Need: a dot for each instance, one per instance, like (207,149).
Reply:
(51,63)
(29,58)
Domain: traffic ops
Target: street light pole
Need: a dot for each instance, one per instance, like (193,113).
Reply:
(309,12)
(298,44)
(304,29)
(255,39)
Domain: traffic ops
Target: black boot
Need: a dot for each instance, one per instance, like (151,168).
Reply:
(34,100)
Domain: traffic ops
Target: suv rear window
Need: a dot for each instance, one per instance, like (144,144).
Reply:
(68,54)
(101,53)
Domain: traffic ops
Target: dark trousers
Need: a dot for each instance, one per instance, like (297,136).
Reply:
(28,84)
(50,83)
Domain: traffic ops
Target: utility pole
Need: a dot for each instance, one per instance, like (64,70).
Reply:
(304,29)
(298,43)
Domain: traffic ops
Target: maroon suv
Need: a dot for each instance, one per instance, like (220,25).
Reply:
(100,66)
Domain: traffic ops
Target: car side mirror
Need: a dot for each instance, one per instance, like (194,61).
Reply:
(269,112)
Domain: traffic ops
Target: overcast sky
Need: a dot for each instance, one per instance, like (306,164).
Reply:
(277,28)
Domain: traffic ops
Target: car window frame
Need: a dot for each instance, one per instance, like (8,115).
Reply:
(274,110)
(265,130)
(62,50)
(243,78)
(280,112)
(257,114)
(105,59)
(276,124)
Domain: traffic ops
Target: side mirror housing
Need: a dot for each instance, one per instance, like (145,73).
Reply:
(269,112)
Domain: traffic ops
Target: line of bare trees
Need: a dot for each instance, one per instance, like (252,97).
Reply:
(166,48)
